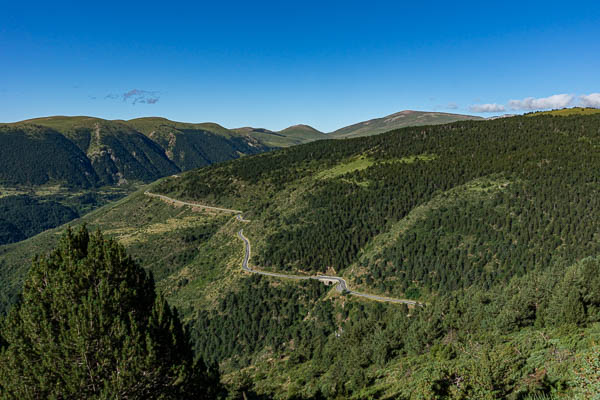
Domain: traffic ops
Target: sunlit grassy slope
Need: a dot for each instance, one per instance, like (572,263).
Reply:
(569,111)
(291,136)
(398,120)
(190,253)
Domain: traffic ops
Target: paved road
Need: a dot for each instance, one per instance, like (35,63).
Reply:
(341,285)
(247,268)
(240,218)
(186,203)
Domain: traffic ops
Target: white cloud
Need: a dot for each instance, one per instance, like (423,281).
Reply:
(531,103)
(486,108)
(451,106)
(590,100)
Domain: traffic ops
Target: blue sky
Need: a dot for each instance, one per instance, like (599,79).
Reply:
(275,64)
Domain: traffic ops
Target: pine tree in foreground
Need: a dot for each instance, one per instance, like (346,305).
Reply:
(90,325)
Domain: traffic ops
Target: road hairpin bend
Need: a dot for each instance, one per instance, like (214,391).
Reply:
(340,283)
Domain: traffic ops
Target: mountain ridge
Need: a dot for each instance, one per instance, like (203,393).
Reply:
(114,151)
(397,120)
(298,133)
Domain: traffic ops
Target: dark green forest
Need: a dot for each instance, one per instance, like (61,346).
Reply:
(34,155)
(497,226)
(260,315)
(83,152)
(24,216)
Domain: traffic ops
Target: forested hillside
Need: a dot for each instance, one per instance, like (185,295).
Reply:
(24,216)
(27,211)
(85,151)
(34,155)
(501,196)
(490,222)
(81,157)
(494,225)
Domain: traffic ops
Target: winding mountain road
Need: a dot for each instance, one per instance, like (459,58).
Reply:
(187,203)
(341,285)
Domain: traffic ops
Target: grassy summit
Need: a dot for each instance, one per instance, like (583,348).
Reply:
(569,111)
(398,120)
(291,136)
(303,131)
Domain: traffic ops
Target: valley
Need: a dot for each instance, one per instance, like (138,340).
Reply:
(340,283)
(75,164)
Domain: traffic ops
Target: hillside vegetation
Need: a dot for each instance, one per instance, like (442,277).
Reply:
(291,136)
(91,326)
(568,111)
(84,154)
(87,152)
(80,158)
(501,196)
(493,224)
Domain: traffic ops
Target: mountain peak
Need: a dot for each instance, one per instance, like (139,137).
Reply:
(299,127)
(398,120)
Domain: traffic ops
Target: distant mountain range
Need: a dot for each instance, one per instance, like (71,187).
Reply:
(298,134)
(291,136)
(92,152)
(54,169)
(89,152)
(399,120)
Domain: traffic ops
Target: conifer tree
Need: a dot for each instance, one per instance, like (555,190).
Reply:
(90,325)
